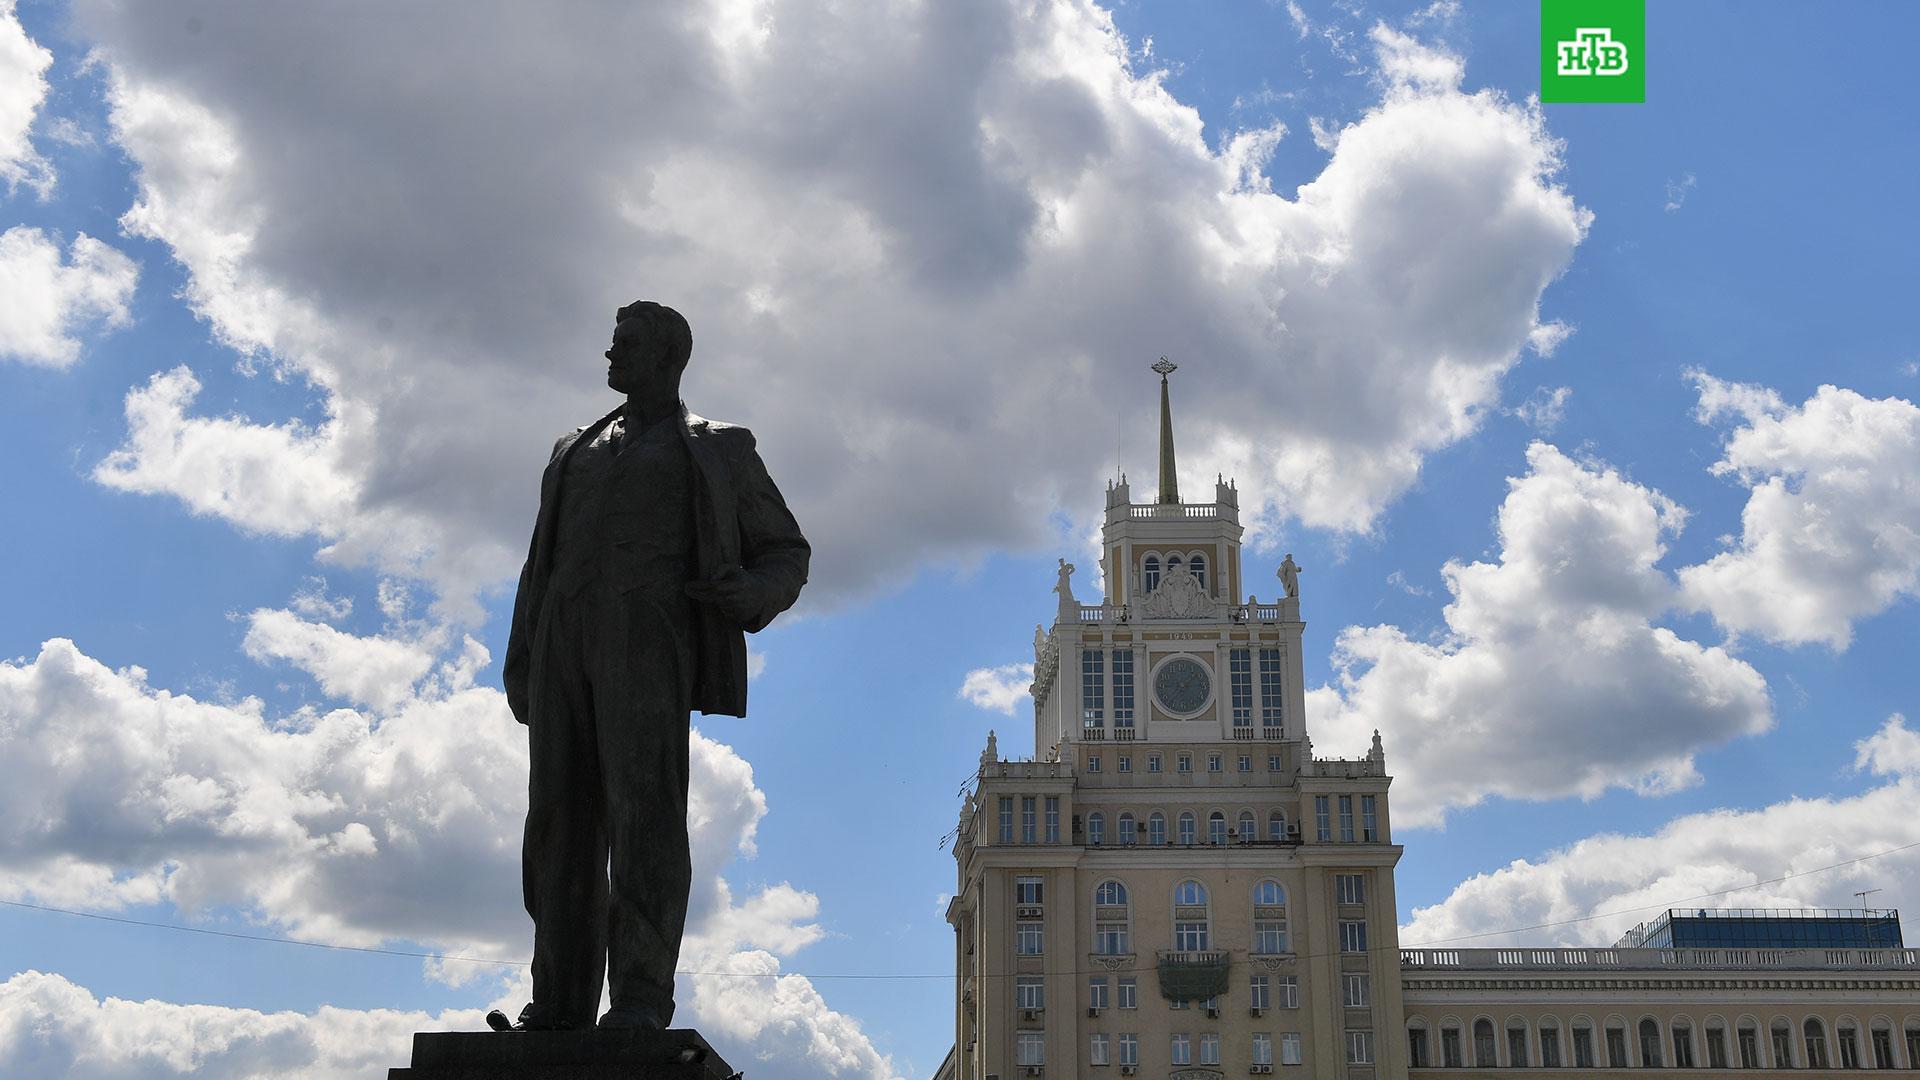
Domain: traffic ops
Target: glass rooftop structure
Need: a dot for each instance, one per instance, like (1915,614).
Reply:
(1768,928)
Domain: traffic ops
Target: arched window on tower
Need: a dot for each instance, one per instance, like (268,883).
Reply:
(1217,828)
(1127,834)
(1173,564)
(1096,829)
(1187,826)
(1110,918)
(1269,918)
(1276,826)
(1191,932)
(1151,573)
(1249,829)
(1198,568)
(1157,829)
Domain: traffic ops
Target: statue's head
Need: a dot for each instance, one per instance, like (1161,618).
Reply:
(651,345)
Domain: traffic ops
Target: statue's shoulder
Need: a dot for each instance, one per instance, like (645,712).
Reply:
(729,438)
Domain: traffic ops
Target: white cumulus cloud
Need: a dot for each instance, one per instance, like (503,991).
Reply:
(998,688)
(1610,882)
(47,302)
(1831,530)
(23,86)
(1551,678)
(923,249)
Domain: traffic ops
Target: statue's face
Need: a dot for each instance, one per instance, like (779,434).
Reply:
(638,362)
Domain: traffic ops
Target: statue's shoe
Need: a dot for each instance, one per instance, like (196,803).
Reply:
(530,1020)
(629,1017)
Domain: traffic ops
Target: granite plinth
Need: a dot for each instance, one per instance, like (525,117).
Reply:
(591,1054)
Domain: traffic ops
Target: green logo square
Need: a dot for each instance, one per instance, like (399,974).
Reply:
(1593,50)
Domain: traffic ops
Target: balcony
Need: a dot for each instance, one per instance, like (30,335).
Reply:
(1193,976)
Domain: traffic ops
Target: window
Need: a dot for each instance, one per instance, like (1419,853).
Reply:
(1097,992)
(1650,1044)
(1716,1046)
(1782,1038)
(1128,834)
(1151,566)
(1217,828)
(1129,1048)
(1483,1056)
(1913,1046)
(1848,1040)
(1183,763)
(1346,819)
(1682,1044)
(1128,993)
(1214,763)
(1369,819)
(1273,762)
(1173,563)
(1259,992)
(1110,920)
(1029,820)
(1350,888)
(1125,764)
(1123,689)
(1178,1004)
(1322,820)
(1153,763)
(1006,819)
(1583,1047)
(1198,568)
(1186,827)
(1262,1048)
(1190,917)
(1290,1048)
(1450,1048)
(1096,828)
(1353,935)
(1182,1050)
(1093,762)
(1190,894)
(1276,826)
(1516,1046)
(1053,819)
(1097,1049)
(1245,762)
(1249,829)
(1028,938)
(1157,829)
(1270,709)
(1026,890)
(1883,1048)
(1269,918)
(1749,1040)
(1030,992)
(1093,688)
(1816,1038)
(1359,1047)
(1357,991)
(1417,1048)
(1550,1045)
(1617,1047)
(1030,1048)
(1210,1049)
(1286,991)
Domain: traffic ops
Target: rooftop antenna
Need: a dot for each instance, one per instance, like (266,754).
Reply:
(1863,894)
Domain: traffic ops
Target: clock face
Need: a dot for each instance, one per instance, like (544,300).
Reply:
(1182,686)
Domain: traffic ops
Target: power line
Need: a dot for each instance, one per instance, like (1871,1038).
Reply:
(445,957)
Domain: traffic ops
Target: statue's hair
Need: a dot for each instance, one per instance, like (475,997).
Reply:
(669,327)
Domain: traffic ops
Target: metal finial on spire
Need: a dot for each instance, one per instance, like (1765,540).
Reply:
(1169,478)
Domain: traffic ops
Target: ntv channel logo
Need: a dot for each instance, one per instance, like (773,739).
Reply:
(1593,50)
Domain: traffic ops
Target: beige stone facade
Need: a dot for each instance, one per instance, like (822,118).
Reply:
(1174,886)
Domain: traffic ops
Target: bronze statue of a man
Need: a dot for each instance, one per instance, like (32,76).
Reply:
(660,541)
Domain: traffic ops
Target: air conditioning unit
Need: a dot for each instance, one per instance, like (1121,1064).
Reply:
(1029,912)
(1261,1069)
(1129,1070)
(1256,1012)
(1213,1014)
(1293,830)
(1093,1010)
(1029,1014)
(1033,1070)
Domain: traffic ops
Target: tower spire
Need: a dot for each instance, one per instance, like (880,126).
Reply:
(1169,478)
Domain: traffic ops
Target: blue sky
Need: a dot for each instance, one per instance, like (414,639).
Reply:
(1590,425)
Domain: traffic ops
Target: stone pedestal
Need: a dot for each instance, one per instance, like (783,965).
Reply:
(674,1054)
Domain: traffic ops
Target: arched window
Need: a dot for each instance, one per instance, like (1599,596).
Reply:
(1276,826)
(1781,1036)
(1249,829)
(1816,1037)
(1450,1056)
(1216,828)
(1483,1055)
(1517,1056)
(1197,566)
(1110,919)
(1187,824)
(1746,1040)
(1157,829)
(1269,918)
(1152,572)
(1550,1043)
(1190,918)
(1127,833)
(1682,1029)
(1583,1053)
(1912,1031)
(1173,565)
(1650,1056)
(1096,829)
(1846,1040)
(1881,1040)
